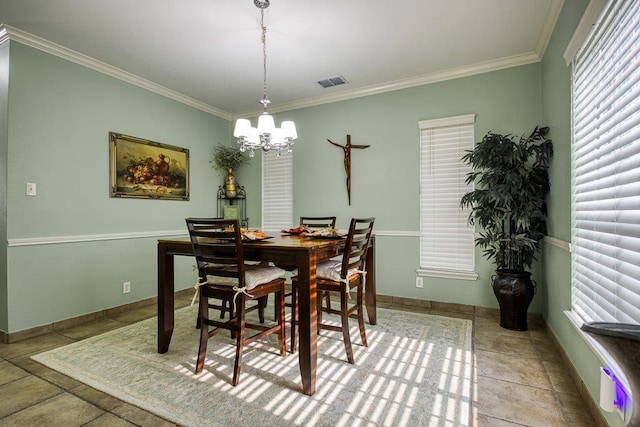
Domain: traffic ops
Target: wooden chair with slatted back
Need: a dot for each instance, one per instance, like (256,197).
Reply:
(343,276)
(218,249)
(225,305)
(317,222)
(311,223)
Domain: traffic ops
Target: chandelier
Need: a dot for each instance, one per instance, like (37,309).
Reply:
(266,136)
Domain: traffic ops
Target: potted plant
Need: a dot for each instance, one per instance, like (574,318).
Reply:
(228,158)
(509,203)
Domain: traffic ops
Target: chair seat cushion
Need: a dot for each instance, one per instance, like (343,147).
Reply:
(330,270)
(254,275)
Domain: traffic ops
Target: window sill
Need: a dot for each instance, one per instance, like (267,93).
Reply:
(624,370)
(600,351)
(448,274)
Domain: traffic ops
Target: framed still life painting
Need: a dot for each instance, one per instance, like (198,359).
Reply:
(147,169)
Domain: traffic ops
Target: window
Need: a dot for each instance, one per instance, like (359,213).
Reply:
(606,175)
(446,238)
(277,191)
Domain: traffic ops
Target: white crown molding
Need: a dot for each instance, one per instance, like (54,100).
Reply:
(44,45)
(3,34)
(454,73)
(36,241)
(553,13)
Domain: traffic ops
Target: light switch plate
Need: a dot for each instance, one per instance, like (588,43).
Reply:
(31,189)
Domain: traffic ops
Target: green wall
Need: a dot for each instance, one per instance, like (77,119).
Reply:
(385,176)
(60,116)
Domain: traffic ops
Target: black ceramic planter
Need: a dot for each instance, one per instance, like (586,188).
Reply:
(514,291)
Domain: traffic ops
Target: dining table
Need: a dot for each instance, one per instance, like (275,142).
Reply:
(305,253)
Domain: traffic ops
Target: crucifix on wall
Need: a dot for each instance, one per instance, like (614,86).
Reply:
(347,160)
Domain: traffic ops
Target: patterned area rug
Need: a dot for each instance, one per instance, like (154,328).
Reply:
(417,371)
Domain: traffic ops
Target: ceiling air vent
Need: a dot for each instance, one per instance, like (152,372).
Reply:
(333,81)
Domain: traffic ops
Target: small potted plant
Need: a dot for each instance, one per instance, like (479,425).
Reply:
(226,159)
(509,203)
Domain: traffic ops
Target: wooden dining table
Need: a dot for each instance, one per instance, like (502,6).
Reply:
(283,249)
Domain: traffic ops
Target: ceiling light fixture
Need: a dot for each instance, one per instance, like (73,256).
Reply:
(266,136)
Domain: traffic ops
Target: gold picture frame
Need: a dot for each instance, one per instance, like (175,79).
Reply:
(146,169)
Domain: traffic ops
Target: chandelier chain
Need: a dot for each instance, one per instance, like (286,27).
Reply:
(265,101)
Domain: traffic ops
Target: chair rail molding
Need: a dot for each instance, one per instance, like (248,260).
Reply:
(559,243)
(36,241)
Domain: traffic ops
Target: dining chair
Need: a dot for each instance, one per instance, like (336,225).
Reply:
(222,271)
(226,304)
(342,276)
(311,223)
(315,222)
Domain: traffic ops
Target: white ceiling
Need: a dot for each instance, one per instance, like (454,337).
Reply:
(208,52)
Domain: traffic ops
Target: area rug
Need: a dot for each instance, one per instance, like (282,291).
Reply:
(417,371)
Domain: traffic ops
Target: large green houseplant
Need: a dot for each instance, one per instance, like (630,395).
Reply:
(509,204)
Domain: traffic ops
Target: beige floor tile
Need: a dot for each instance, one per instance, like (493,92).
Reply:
(560,378)
(10,372)
(184,300)
(518,403)
(491,324)
(485,421)
(61,410)
(55,377)
(456,315)
(135,315)
(95,327)
(547,350)
(96,397)
(507,344)
(575,410)
(140,417)
(512,368)
(109,420)
(33,345)
(410,309)
(409,302)
(539,331)
(25,392)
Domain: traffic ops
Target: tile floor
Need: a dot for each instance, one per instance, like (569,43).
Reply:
(520,379)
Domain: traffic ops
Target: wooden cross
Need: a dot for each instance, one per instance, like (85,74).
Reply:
(347,160)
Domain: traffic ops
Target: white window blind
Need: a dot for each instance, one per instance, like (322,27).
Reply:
(277,191)
(606,168)
(446,238)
